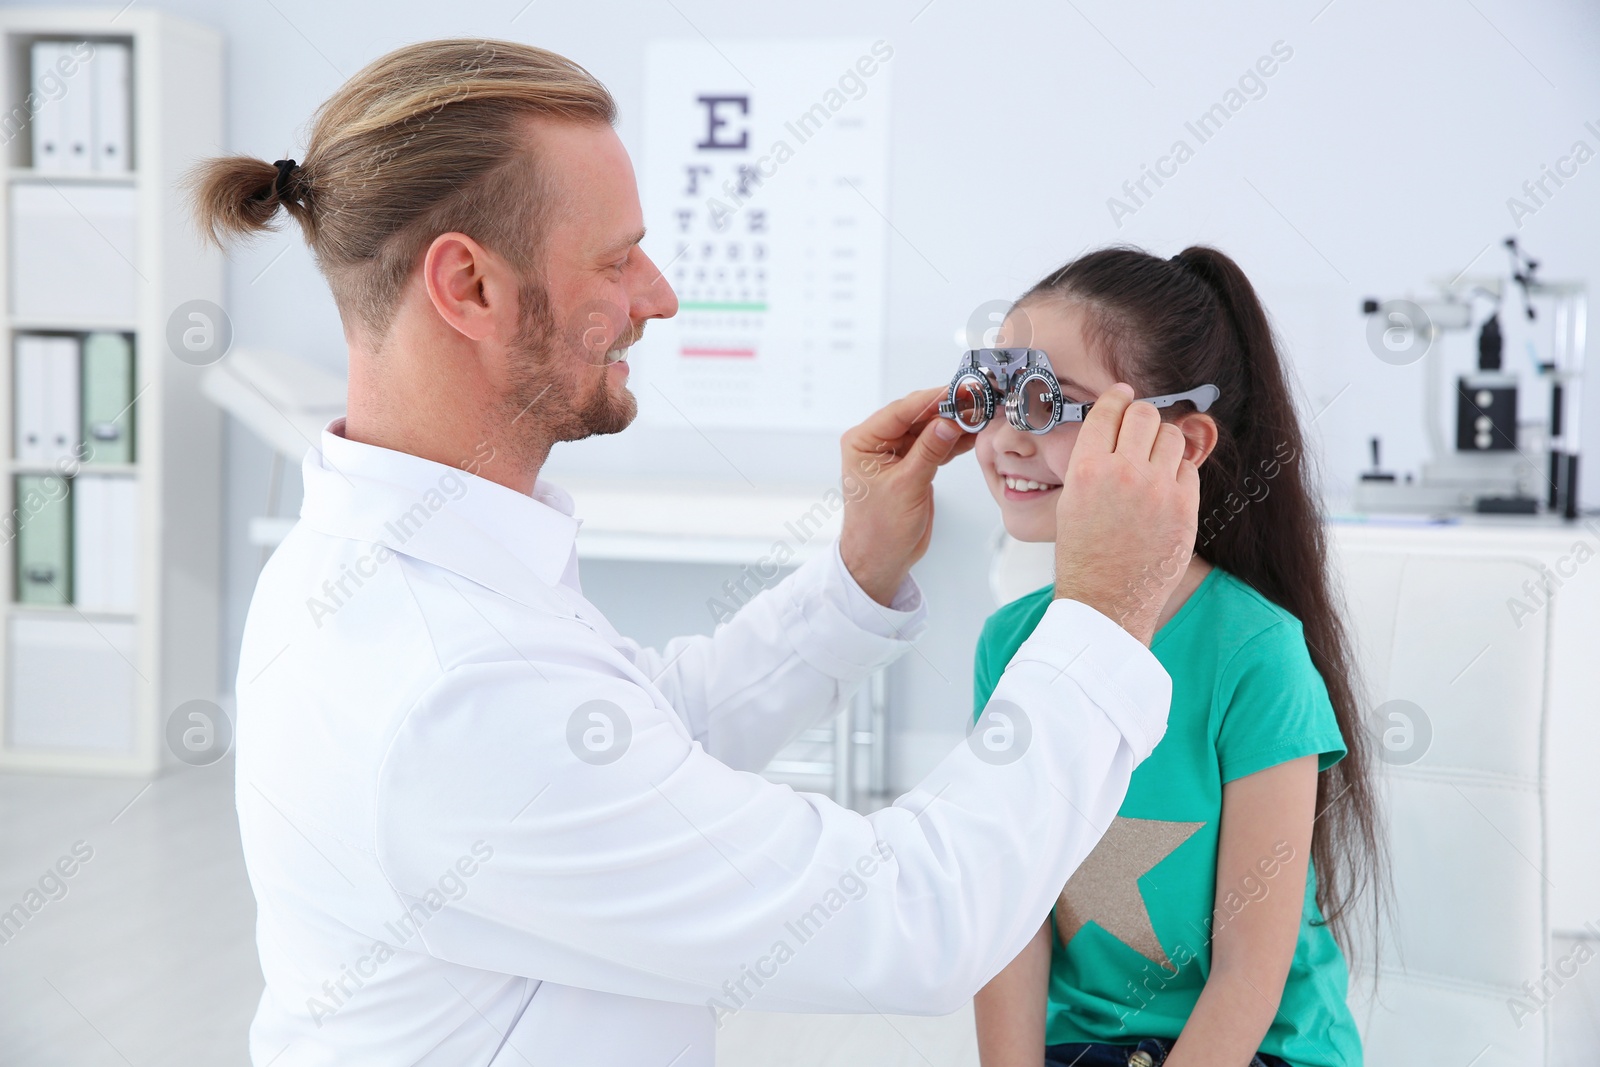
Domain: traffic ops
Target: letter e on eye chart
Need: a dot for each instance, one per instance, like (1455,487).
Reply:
(764,181)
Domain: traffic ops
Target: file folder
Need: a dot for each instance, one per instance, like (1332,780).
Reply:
(77,109)
(113,115)
(105,532)
(47,88)
(107,398)
(44,540)
(28,397)
(62,403)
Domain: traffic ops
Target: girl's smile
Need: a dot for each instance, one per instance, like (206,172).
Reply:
(1023,470)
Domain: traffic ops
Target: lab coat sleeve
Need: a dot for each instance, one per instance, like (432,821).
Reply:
(787,659)
(645,867)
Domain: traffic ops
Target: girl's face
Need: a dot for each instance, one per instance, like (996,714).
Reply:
(1024,471)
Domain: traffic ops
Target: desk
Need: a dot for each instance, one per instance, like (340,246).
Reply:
(656,522)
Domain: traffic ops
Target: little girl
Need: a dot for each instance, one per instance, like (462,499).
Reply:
(1205,927)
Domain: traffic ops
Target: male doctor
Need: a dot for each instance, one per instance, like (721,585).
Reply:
(482,826)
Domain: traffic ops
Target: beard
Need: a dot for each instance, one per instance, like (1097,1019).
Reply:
(560,388)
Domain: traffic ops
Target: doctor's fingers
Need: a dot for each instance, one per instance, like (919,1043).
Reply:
(1136,437)
(909,476)
(894,427)
(1168,450)
(1100,426)
(932,449)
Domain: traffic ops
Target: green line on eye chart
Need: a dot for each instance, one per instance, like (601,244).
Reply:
(712,305)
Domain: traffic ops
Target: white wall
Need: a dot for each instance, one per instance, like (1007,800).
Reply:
(1382,154)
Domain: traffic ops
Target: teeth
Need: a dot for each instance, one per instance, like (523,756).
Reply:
(1026,486)
(616,355)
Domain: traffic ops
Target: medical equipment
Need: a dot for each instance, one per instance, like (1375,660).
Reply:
(1020,379)
(1494,462)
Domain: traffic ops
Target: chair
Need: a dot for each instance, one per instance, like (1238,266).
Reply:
(1465,807)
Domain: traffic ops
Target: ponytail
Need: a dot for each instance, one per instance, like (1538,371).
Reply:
(1166,326)
(239,196)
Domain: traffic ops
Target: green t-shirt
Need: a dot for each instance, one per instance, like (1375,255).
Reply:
(1133,926)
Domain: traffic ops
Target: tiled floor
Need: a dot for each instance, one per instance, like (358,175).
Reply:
(147,958)
(752,1039)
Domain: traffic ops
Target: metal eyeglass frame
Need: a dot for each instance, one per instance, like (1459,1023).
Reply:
(1005,372)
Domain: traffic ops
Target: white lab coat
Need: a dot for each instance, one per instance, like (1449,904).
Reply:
(441,879)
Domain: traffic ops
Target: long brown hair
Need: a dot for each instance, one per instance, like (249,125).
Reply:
(428,139)
(1166,326)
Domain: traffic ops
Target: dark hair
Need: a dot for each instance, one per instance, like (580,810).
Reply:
(1166,326)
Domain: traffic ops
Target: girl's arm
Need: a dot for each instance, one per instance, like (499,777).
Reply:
(1010,1009)
(1263,851)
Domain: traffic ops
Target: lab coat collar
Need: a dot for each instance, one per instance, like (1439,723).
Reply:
(516,544)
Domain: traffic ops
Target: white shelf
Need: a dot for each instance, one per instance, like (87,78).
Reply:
(28,174)
(17,466)
(69,610)
(66,326)
(177,121)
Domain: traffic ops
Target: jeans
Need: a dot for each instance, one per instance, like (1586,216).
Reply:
(1154,1051)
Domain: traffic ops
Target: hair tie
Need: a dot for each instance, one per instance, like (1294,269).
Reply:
(286,167)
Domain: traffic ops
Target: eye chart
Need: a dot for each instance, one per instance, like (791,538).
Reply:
(764,183)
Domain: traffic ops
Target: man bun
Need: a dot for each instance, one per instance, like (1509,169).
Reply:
(239,196)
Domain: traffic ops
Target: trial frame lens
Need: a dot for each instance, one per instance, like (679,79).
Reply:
(1020,380)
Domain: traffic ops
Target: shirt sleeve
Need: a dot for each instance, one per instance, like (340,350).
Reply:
(1275,706)
(789,658)
(640,865)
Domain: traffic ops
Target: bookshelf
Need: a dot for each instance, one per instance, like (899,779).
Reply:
(93,695)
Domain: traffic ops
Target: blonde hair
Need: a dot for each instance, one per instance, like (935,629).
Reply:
(429,139)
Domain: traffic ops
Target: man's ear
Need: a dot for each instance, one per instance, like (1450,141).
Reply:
(471,288)
(1199,435)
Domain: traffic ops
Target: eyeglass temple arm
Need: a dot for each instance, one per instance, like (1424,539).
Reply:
(1201,396)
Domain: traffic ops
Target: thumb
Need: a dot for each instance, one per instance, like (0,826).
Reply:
(938,441)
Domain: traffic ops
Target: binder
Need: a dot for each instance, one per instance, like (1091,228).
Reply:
(107,398)
(46,88)
(44,540)
(73,250)
(28,398)
(62,392)
(105,530)
(72,684)
(113,115)
(77,110)
(46,400)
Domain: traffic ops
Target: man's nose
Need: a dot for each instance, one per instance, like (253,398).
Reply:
(655,298)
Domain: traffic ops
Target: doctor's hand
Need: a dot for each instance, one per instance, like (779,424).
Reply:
(889,463)
(1126,516)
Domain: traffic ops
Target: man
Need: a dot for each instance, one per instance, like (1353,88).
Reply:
(484,827)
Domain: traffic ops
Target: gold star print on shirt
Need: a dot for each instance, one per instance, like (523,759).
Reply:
(1105,888)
